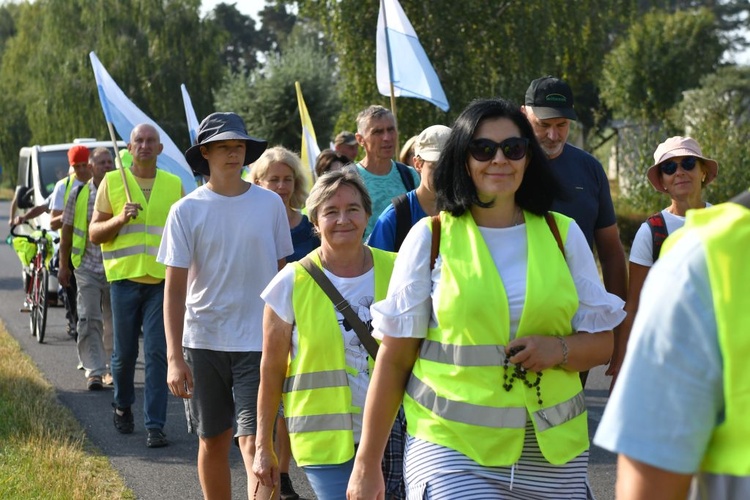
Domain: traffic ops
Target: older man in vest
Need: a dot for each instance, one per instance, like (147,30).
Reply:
(94,311)
(129,215)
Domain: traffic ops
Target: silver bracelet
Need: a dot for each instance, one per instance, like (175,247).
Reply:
(564,350)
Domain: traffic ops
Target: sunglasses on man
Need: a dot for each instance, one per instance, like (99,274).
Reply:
(513,148)
(669,167)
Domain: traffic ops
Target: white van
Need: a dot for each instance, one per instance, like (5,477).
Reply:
(40,167)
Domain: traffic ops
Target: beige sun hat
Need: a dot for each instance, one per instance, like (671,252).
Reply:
(674,147)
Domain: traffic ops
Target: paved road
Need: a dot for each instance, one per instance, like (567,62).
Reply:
(170,473)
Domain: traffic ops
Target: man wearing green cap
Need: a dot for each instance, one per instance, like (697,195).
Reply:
(549,108)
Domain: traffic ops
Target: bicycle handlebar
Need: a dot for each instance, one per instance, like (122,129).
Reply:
(31,239)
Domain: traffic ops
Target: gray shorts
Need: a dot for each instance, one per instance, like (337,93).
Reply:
(225,388)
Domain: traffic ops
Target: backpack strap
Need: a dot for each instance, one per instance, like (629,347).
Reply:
(658,233)
(406,177)
(742,199)
(435,248)
(552,223)
(403,219)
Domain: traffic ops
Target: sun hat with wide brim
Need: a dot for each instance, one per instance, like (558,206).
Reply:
(222,127)
(674,147)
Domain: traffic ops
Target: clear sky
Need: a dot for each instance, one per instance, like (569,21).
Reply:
(247,7)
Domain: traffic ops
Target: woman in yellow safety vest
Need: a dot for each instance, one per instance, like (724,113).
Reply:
(492,311)
(313,354)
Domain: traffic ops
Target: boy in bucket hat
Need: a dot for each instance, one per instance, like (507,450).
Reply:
(212,306)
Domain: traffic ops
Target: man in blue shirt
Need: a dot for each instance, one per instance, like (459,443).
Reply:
(549,108)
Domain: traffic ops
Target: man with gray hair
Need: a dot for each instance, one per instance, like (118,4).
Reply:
(384,177)
(94,310)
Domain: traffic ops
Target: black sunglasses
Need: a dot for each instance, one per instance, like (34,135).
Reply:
(669,167)
(485,149)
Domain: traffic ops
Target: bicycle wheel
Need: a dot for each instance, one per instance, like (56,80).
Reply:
(41,300)
(33,306)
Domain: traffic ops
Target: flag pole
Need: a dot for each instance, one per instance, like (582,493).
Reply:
(390,73)
(118,161)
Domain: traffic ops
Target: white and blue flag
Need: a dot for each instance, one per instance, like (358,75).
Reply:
(402,60)
(192,120)
(124,116)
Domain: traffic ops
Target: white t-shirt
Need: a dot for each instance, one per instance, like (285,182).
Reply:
(642,250)
(407,312)
(231,247)
(57,198)
(359,292)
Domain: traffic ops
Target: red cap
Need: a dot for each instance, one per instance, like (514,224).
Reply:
(78,154)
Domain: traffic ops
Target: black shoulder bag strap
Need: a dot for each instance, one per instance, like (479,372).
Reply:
(742,199)
(406,178)
(341,305)
(403,219)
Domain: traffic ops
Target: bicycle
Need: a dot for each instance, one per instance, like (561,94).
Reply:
(37,276)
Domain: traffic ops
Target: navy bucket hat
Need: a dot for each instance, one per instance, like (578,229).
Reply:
(222,127)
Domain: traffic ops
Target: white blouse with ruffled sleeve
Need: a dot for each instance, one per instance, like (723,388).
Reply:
(407,311)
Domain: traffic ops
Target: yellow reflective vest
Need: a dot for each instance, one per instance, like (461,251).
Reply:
(317,400)
(68,186)
(455,396)
(132,253)
(80,226)
(724,231)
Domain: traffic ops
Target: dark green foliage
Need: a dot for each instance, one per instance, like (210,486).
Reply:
(267,100)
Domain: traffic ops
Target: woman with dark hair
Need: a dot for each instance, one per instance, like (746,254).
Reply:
(486,324)
(329,160)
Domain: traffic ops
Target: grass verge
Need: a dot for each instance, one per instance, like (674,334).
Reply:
(44,453)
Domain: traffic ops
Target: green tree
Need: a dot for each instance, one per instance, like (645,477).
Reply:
(480,50)
(244,40)
(717,115)
(142,43)
(267,100)
(661,56)
(277,24)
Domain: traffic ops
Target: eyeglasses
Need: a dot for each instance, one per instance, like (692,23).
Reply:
(670,167)
(485,149)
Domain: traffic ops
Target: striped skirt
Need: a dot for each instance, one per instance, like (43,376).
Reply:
(435,472)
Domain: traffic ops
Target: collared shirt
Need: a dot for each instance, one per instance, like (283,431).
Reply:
(92,257)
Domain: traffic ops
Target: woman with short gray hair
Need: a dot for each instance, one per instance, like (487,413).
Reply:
(318,352)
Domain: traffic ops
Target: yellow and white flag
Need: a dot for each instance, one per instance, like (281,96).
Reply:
(310,150)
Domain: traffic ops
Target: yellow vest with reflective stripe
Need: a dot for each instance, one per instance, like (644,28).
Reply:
(455,396)
(132,253)
(68,186)
(724,231)
(317,399)
(80,226)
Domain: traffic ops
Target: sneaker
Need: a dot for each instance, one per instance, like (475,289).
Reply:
(156,438)
(107,379)
(26,307)
(79,366)
(123,419)
(94,383)
(70,329)
(287,490)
